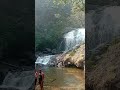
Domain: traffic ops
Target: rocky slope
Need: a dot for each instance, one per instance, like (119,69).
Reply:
(102,48)
(104,73)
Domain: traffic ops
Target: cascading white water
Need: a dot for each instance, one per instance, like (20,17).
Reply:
(74,38)
(44,59)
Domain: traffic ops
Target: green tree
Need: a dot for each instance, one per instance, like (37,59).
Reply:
(77,17)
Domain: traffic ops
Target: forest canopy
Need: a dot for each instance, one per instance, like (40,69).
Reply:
(52,17)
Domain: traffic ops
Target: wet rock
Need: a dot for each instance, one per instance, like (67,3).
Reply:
(54,51)
(2,76)
(18,81)
(67,62)
(80,64)
(60,64)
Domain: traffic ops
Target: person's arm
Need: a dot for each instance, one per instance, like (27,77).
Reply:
(35,74)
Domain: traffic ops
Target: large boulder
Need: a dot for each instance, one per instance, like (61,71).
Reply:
(75,57)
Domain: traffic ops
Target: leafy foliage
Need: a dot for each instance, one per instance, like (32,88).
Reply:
(52,20)
(77,17)
(49,32)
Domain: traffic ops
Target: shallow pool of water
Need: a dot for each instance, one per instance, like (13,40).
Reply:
(63,79)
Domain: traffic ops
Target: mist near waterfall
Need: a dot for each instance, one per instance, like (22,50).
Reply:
(74,38)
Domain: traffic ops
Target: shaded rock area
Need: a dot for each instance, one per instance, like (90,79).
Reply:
(14,66)
(16,37)
(102,48)
(103,73)
(46,51)
(18,81)
(11,68)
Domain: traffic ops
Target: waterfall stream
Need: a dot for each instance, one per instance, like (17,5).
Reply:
(74,38)
(71,39)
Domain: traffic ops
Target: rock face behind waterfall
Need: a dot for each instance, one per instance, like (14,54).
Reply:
(18,81)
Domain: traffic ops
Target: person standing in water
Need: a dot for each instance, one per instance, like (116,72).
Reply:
(36,76)
(41,79)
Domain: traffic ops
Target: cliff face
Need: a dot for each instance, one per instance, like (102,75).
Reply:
(102,48)
(104,75)
(16,35)
(17,31)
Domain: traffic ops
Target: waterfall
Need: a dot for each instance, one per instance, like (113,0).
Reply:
(74,38)
(44,59)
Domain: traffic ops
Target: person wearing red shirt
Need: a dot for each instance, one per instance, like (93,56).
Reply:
(36,76)
(41,79)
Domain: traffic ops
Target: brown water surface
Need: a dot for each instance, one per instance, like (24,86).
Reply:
(63,79)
